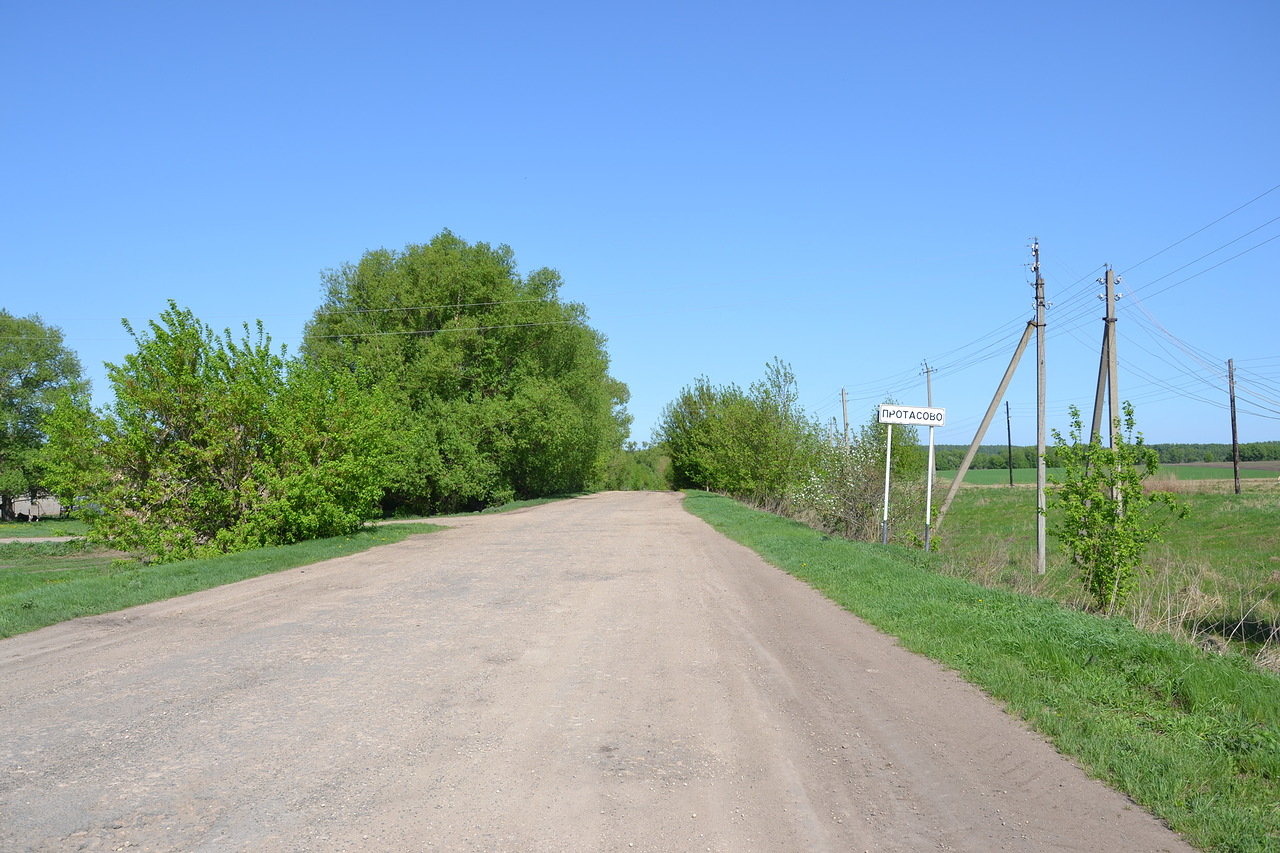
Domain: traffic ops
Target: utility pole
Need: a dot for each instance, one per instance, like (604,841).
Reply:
(928,491)
(1108,367)
(844,402)
(1235,437)
(1113,367)
(1040,399)
(1008,430)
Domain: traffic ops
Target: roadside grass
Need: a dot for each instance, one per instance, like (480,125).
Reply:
(42,583)
(43,527)
(1191,736)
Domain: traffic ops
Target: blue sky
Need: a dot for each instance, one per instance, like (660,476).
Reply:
(850,187)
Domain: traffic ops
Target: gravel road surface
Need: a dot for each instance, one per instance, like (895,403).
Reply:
(601,674)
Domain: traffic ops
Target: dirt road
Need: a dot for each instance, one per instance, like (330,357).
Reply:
(600,674)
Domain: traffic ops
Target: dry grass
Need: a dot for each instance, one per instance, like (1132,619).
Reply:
(1165,480)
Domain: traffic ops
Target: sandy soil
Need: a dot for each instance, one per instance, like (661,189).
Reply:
(600,674)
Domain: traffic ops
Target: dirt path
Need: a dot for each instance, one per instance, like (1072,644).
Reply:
(600,674)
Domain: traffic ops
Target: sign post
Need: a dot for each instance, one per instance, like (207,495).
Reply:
(890,414)
(888,453)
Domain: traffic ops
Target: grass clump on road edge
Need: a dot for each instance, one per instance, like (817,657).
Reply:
(40,585)
(1192,737)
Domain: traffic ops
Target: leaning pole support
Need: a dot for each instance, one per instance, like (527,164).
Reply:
(986,422)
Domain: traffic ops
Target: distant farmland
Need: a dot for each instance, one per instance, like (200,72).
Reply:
(1180,471)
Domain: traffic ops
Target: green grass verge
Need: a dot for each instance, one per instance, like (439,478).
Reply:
(1194,738)
(42,583)
(43,527)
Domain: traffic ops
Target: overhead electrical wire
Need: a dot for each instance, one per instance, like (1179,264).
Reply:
(1201,229)
(1208,254)
(1215,266)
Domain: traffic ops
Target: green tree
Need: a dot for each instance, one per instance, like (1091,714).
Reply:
(215,444)
(756,444)
(36,370)
(502,388)
(635,468)
(1105,518)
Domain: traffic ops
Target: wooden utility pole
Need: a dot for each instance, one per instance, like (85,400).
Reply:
(1040,418)
(1235,437)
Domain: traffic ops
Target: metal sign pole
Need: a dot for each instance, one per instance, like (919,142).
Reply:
(890,414)
(888,449)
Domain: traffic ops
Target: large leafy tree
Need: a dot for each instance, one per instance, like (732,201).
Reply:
(502,387)
(36,369)
(218,444)
(755,444)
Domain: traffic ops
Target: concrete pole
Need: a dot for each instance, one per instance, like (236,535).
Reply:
(1235,436)
(1040,416)
(1113,370)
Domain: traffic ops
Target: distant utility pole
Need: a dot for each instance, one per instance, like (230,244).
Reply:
(844,402)
(1235,437)
(1008,430)
(1040,397)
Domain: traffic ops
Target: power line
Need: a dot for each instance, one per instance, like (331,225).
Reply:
(1215,266)
(1198,230)
(1215,251)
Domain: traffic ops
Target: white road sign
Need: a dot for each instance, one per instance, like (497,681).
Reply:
(912,415)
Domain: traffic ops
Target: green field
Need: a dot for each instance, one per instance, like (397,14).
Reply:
(1217,572)
(1027,476)
(43,527)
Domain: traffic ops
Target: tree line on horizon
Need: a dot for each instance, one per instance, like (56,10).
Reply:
(948,457)
(433,379)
